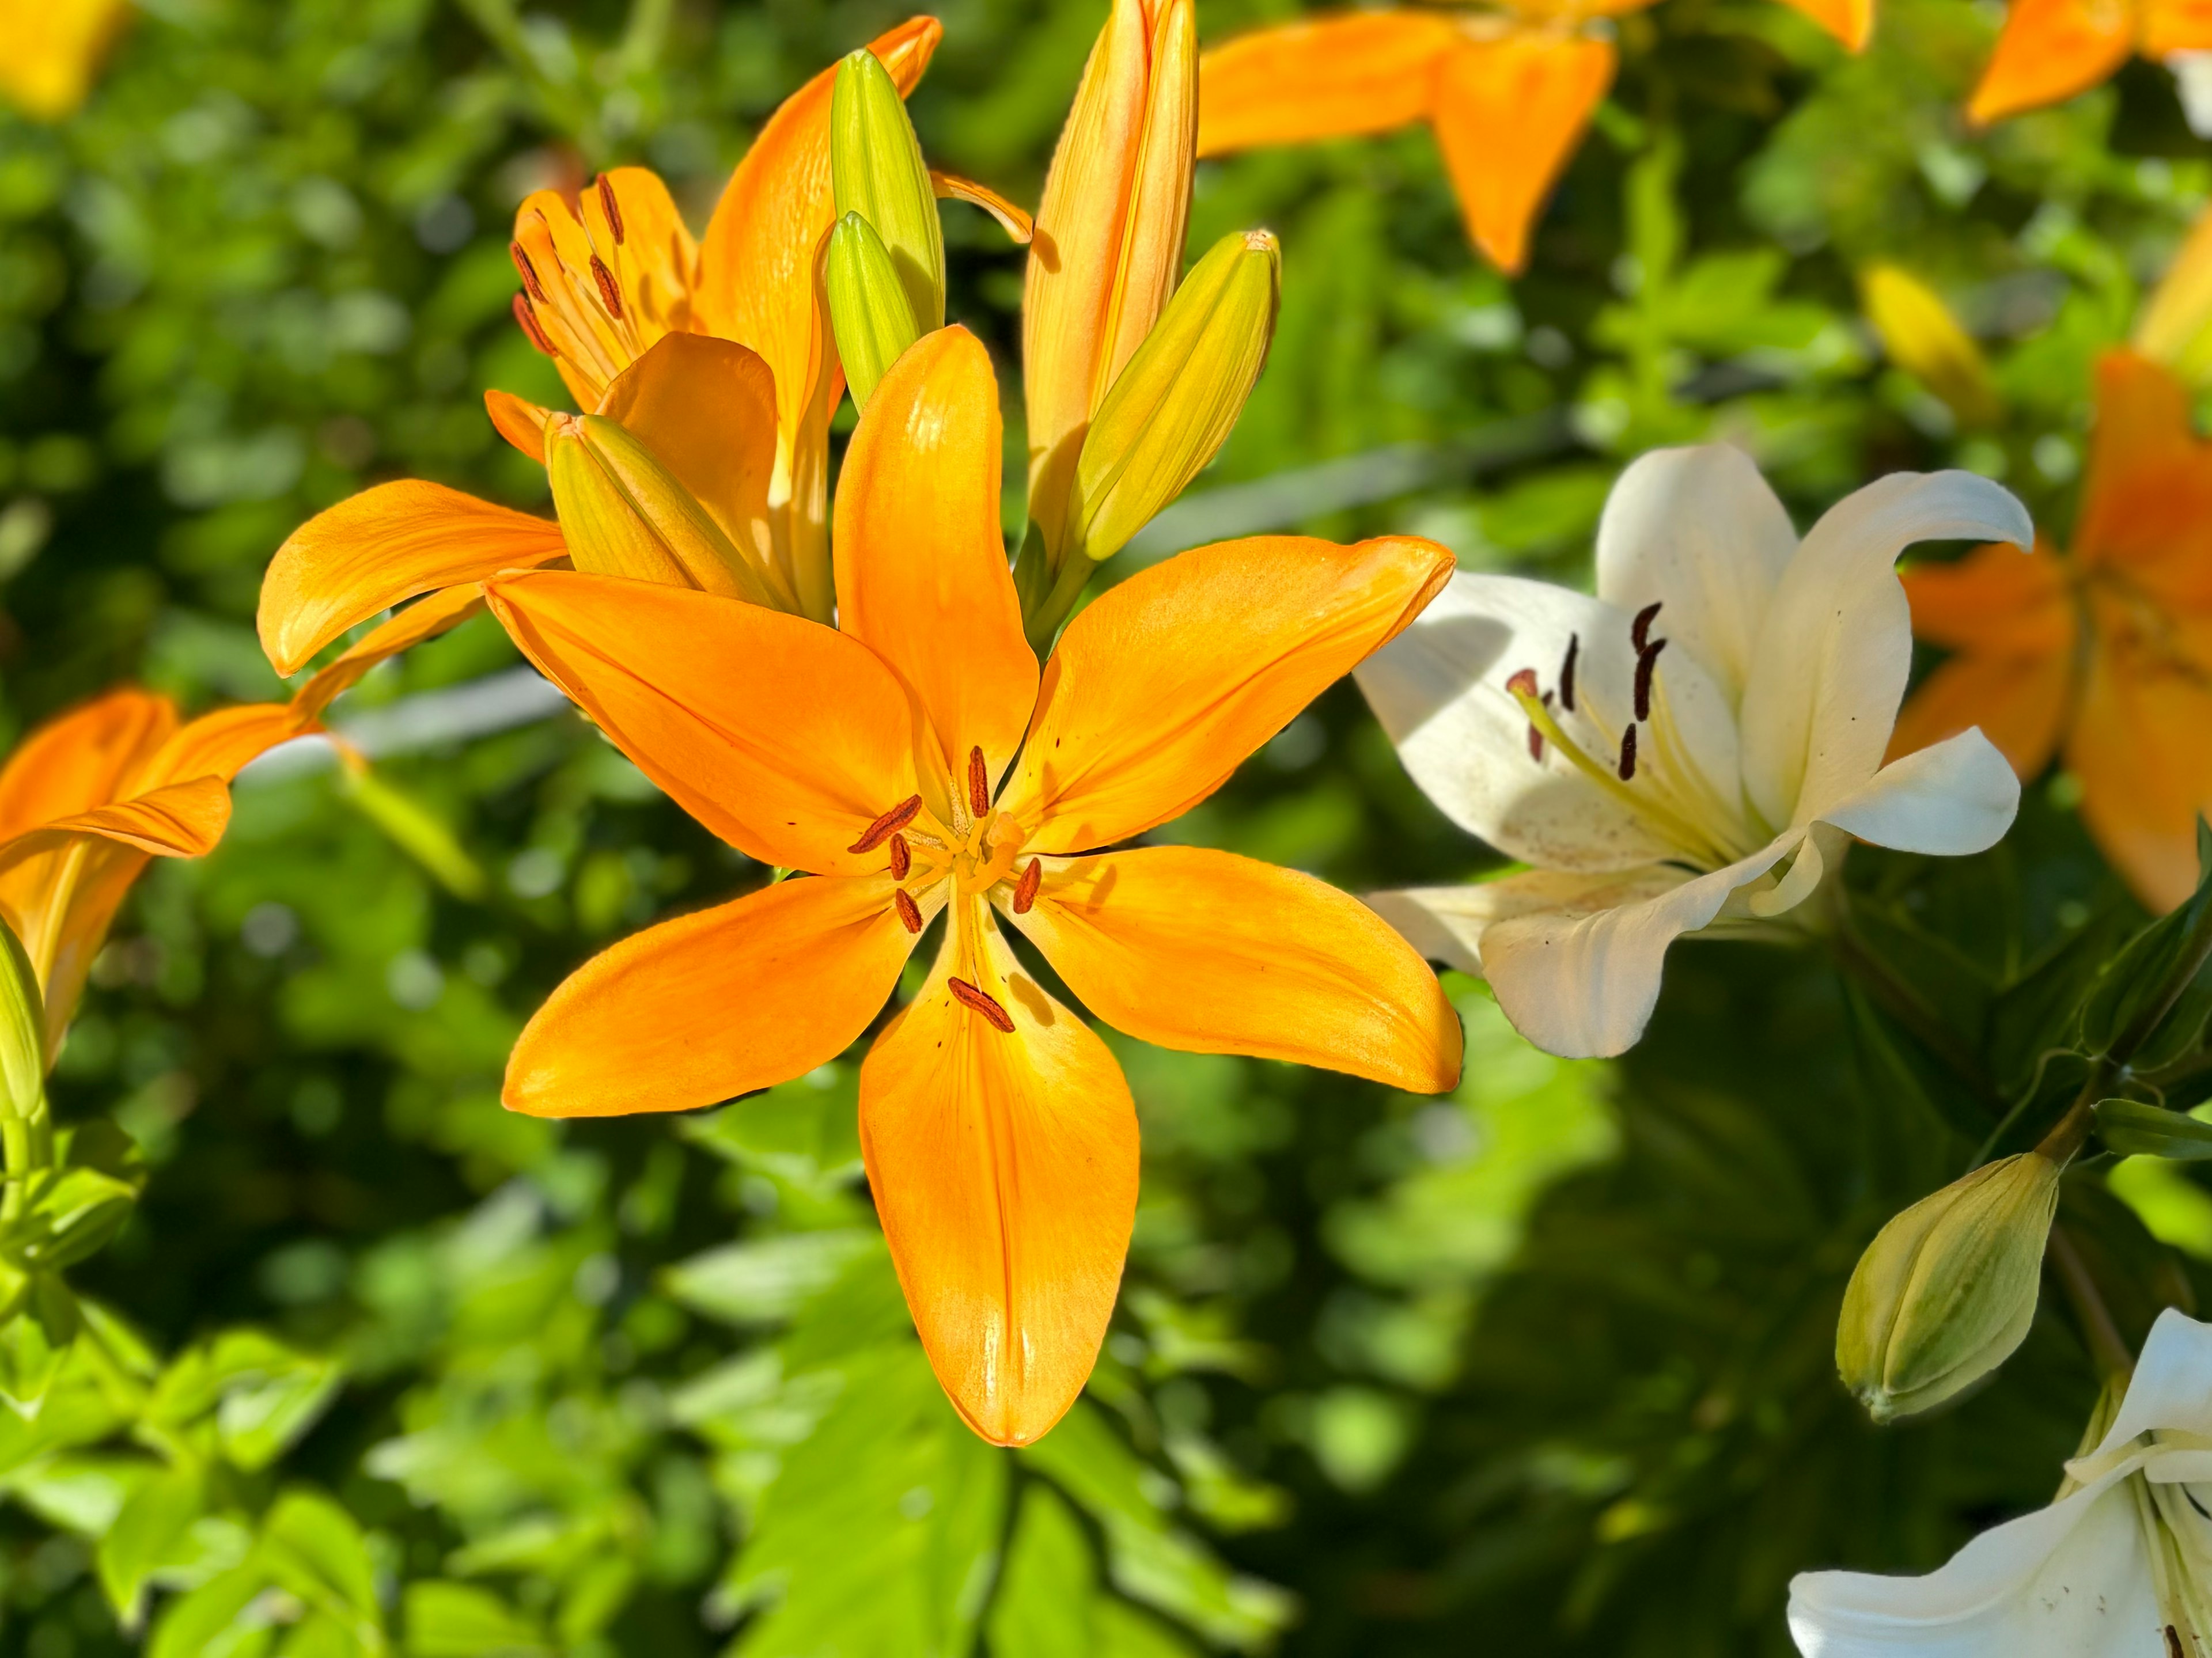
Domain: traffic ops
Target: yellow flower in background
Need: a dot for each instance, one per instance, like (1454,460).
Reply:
(51,49)
(1508,93)
(1919,334)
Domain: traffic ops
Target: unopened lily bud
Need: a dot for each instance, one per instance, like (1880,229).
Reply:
(868,306)
(623,513)
(876,170)
(22,1031)
(1921,337)
(2174,328)
(1948,1290)
(1173,406)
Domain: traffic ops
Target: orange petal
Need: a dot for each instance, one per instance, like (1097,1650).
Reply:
(952,187)
(1994,600)
(1161,687)
(2146,491)
(713,1005)
(1509,113)
(2175,26)
(519,421)
(1111,229)
(2138,748)
(221,743)
(1216,954)
(175,820)
(783,737)
(706,409)
(382,546)
(1850,21)
(2018,702)
(84,758)
(1004,1167)
(425,618)
(1324,77)
(648,248)
(2050,50)
(922,563)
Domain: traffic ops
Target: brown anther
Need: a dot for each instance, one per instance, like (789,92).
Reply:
(1025,890)
(979,783)
(909,913)
(2173,1647)
(608,291)
(1567,672)
(902,860)
(879,831)
(526,270)
(1522,684)
(1628,754)
(526,315)
(611,207)
(1645,664)
(1640,630)
(1536,745)
(970,997)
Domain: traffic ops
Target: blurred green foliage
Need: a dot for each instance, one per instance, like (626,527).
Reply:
(377,1367)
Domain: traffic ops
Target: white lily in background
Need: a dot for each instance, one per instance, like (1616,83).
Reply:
(1691,745)
(2119,1566)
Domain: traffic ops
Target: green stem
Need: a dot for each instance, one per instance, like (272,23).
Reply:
(1903,1003)
(26,1144)
(2099,1333)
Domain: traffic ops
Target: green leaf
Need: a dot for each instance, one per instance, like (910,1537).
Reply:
(458,1621)
(767,1279)
(150,1532)
(2135,1128)
(220,1618)
(78,1493)
(806,1130)
(315,1549)
(262,1393)
(1046,1603)
(2138,982)
(36,1343)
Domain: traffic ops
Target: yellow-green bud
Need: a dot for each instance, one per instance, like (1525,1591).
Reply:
(623,513)
(1920,335)
(876,170)
(868,306)
(1947,1290)
(22,1031)
(1173,403)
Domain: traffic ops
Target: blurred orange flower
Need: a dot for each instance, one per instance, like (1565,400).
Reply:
(2052,49)
(88,797)
(1508,93)
(49,51)
(2102,654)
(916,762)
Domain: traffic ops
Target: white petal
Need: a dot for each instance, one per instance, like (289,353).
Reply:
(1439,690)
(1582,985)
(1829,669)
(1815,855)
(2172,1387)
(1697,531)
(1446,924)
(2071,1581)
(1955,798)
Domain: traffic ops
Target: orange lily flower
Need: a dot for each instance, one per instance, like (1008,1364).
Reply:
(52,49)
(2102,652)
(916,762)
(1508,92)
(88,797)
(2051,50)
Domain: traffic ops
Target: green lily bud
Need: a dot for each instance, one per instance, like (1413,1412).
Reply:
(1947,1290)
(868,307)
(623,513)
(876,170)
(1173,403)
(22,1032)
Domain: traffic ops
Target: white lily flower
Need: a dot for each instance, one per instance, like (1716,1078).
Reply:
(2119,1566)
(1692,744)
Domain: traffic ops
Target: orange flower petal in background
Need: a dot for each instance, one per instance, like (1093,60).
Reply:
(783,737)
(1993,599)
(1216,954)
(1012,219)
(1322,77)
(713,1005)
(2140,751)
(83,758)
(1161,687)
(2050,50)
(1508,114)
(921,562)
(2021,703)
(427,617)
(383,546)
(1004,1167)
(2175,26)
(2147,487)
(1851,22)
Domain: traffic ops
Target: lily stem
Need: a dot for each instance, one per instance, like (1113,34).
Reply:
(2099,1333)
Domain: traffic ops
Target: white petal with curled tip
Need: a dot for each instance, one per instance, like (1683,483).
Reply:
(1439,690)
(1956,796)
(1446,924)
(1699,532)
(1583,986)
(1832,655)
(2172,1387)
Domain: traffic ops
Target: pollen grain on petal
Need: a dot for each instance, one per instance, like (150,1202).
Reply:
(909,913)
(1567,672)
(1640,631)
(608,289)
(979,783)
(1628,754)
(901,858)
(1645,663)
(896,818)
(981,1002)
(1025,890)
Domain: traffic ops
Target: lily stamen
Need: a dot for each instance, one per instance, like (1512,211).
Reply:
(1640,631)
(979,783)
(1567,672)
(528,272)
(1611,778)
(902,860)
(909,913)
(1025,890)
(981,1002)
(611,207)
(1646,661)
(896,818)
(1628,754)
(527,315)
(609,291)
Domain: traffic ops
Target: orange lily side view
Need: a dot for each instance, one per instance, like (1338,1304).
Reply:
(2101,654)
(2051,50)
(914,763)
(88,798)
(1508,93)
